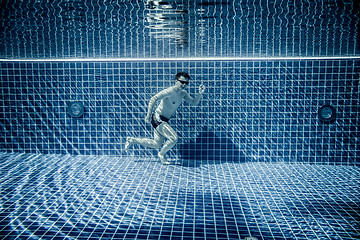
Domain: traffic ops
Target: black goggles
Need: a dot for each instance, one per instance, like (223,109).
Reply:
(183,82)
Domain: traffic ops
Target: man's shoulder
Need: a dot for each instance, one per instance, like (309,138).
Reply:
(174,91)
(166,90)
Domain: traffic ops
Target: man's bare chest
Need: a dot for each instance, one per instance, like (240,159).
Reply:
(175,99)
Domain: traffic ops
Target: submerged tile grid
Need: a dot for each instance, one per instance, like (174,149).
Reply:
(182,28)
(251,110)
(92,197)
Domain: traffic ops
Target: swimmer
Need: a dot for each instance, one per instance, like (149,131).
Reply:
(170,99)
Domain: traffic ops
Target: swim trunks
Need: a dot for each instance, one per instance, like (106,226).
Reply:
(157,119)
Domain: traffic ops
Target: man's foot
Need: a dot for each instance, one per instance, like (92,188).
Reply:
(129,142)
(163,159)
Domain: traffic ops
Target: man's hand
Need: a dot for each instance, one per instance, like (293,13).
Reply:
(148,118)
(202,89)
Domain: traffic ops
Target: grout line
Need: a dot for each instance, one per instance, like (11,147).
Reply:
(180,59)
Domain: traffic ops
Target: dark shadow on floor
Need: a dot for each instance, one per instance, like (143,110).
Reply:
(208,147)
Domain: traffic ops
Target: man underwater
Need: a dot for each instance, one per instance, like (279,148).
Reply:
(170,99)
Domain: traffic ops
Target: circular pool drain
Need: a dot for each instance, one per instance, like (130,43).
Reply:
(75,109)
(327,113)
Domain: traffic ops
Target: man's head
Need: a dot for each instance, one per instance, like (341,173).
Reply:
(183,78)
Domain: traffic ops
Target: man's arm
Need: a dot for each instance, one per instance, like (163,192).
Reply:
(195,101)
(159,96)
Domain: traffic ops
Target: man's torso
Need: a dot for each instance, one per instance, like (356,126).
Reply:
(170,104)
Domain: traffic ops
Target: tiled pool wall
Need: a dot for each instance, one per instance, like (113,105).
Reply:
(251,111)
(34,29)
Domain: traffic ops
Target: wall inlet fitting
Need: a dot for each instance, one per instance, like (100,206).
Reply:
(327,113)
(75,109)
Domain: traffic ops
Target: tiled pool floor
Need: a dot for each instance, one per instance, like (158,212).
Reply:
(106,197)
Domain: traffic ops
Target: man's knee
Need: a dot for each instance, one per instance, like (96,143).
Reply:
(174,138)
(157,145)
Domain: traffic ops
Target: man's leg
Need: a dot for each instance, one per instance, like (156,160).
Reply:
(146,142)
(167,131)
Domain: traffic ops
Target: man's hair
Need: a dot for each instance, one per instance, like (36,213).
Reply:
(184,74)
